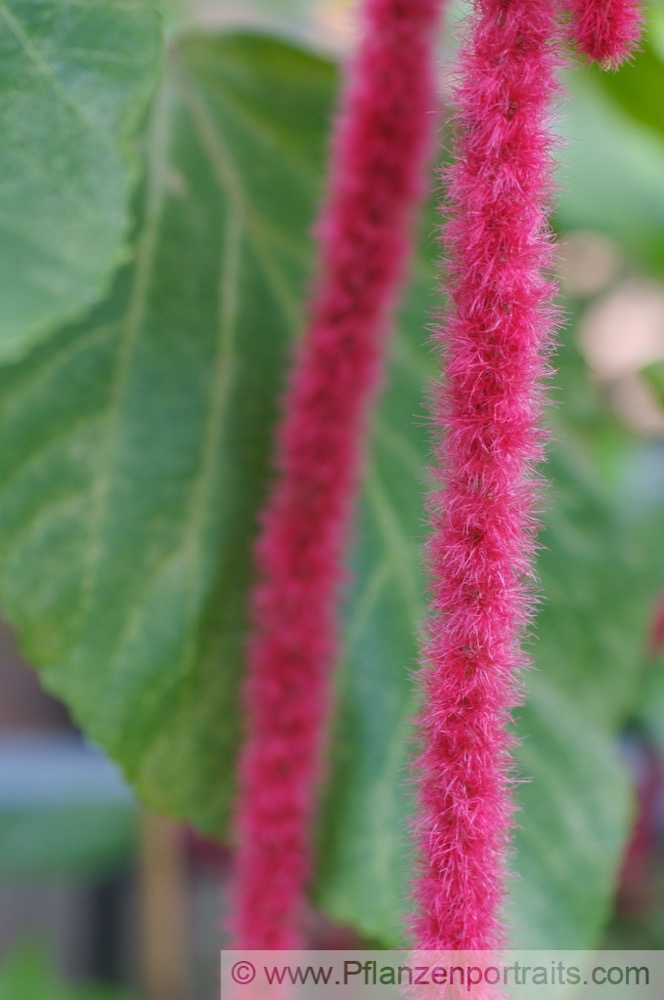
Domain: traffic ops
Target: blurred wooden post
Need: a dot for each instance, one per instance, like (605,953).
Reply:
(164,946)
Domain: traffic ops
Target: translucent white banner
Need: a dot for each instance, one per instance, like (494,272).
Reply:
(394,975)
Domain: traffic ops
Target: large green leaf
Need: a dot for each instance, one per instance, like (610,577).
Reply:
(74,81)
(134,452)
(134,446)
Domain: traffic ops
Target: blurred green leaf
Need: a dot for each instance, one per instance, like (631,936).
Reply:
(135,453)
(654,377)
(612,172)
(652,706)
(29,974)
(72,841)
(74,82)
(637,87)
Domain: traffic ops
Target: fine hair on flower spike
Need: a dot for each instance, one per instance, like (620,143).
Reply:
(381,148)
(496,338)
(606,31)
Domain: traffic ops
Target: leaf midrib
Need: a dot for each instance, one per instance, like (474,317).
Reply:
(156,186)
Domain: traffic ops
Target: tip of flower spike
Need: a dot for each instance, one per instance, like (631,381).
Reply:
(607,31)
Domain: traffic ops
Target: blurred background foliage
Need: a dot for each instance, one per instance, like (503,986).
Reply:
(590,843)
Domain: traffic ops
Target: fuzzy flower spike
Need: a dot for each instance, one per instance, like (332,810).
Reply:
(496,340)
(380,152)
(606,31)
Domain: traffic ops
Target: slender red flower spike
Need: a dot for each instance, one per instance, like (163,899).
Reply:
(606,31)
(381,148)
(496,339)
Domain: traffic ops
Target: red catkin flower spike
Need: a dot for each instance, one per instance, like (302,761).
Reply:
(496,339)
(606,31)
(380,152)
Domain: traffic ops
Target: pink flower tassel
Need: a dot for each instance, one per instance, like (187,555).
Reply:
(381,150)
(606,31)
(496,339)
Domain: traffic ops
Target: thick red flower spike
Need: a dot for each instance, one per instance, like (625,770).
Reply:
(496,339)
(381,148)
(606,31)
